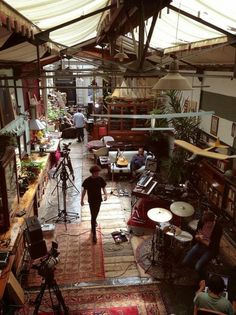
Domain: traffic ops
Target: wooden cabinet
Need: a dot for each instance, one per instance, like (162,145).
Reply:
(120,128)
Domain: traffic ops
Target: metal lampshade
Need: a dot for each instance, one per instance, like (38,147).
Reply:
(35,124)
(173,80)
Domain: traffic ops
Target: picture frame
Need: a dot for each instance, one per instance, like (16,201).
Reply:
(233,130)
(214,125)
(22,145)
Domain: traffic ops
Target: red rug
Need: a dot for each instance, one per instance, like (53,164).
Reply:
(79,260)
(129,310)
(142,299)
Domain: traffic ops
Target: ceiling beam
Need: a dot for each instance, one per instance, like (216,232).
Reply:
(198,19)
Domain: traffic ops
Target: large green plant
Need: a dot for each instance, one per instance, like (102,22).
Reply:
(185,129)
(54,113)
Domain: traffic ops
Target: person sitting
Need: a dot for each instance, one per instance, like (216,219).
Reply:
(138,160)
(213,299)
(207,242)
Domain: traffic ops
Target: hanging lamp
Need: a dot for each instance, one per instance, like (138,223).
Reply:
(173,80)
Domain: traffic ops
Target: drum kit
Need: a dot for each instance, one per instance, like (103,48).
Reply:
(162,217)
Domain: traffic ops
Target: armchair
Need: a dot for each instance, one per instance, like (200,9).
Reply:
(99,152)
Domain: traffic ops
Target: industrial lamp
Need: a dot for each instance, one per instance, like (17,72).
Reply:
(121,55)
(173,80)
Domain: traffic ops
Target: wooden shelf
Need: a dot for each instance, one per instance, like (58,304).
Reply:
(120,128)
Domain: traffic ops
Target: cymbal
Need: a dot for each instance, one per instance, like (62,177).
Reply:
(159,215)
(172,230)
(182,209)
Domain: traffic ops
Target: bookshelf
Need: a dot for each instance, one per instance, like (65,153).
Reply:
(120,128)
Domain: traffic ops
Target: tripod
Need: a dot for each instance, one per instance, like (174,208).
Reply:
(62,173)
(51,284)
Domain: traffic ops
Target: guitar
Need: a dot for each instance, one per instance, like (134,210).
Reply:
(121,161)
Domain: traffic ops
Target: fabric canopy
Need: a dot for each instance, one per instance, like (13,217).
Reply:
(171,28)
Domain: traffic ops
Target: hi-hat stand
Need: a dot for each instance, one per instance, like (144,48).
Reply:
(50,283)
(63,172)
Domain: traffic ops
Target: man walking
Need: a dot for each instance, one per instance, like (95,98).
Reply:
(79,122)
(93,185)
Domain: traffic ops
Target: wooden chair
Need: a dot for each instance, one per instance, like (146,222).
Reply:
(205,311)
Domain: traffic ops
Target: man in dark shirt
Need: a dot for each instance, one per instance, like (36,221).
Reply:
(207,243)
(138,160)
(94,185)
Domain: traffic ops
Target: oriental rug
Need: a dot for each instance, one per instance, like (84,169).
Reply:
(79,259)
(169,268)
(143,299)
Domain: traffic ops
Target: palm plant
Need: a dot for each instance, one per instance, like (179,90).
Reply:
(185,129)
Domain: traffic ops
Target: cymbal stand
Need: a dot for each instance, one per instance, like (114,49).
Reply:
(157,247)
(112,180)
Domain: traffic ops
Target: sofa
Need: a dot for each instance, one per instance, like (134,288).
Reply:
(113,168)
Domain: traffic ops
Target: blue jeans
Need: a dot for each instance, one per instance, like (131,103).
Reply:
(199,256)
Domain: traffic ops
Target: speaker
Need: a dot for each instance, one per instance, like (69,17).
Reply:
(151,165)
(33,231)
(38,249)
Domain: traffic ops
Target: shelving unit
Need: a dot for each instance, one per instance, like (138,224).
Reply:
(219,190)
(120,129)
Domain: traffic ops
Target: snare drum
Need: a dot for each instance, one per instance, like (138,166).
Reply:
(182,244)
(184,237)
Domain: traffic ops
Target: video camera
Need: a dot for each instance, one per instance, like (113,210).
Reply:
(66,147)
(47,265)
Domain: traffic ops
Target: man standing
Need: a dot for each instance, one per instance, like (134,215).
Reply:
(93,185)
(79,122)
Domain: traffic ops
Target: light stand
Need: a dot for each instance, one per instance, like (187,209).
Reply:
(62,173)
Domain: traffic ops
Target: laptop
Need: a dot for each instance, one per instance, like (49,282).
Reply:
(226,281)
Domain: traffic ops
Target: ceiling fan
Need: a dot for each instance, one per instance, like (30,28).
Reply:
(203,152)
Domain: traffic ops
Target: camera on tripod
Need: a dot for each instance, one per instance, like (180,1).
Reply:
(47,265)
(65,148)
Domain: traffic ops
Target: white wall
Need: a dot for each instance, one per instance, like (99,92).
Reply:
(225,86)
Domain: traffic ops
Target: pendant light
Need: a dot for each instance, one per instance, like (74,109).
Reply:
(121,55)
(173,80)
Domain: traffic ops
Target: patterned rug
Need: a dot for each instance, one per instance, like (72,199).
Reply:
(143,299)
(168,268)
(79,260)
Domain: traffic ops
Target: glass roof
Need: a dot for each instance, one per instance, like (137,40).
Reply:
(171,28)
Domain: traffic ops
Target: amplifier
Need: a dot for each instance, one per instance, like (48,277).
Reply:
(33,232)
(37,250)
